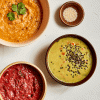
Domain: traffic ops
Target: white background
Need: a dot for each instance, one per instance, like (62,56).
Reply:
(35,52)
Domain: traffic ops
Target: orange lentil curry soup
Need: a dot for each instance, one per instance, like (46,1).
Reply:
(24,24)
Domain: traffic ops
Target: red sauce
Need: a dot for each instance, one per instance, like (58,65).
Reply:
(21,82)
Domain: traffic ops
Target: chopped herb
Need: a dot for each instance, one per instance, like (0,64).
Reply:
(19,87)
(85,68)
(73,76)
(18,81)
(21,74)
(11,16)
(31,95)
(60,50)
(14,8)
(58,71)
(61,45)
(61,67)
(20,8)
(59,55)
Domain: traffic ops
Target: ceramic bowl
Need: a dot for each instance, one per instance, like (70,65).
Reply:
(77,7)
(45,19)
(94,58)
(37,69)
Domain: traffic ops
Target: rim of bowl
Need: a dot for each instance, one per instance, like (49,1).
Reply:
(38,70)
(39,32)
(61,17)
(94,57)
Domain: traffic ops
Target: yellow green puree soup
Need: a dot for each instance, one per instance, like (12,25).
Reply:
(70,60)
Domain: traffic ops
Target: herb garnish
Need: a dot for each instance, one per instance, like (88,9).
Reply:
(11,16)
(14,8)
(21,74)
(19,8)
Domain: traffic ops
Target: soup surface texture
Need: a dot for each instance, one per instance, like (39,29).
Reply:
(24,26)
(69,60)
(21,82)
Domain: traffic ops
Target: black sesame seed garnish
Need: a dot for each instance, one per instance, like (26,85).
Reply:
(59,55)
(73,76)
(85,68)
(61,67)
(61,45)
(58,71)
(75,57)
(66,74)
(60,50)
(73,72)
(78,72)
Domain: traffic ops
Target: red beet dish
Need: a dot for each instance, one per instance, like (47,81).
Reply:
(21,82)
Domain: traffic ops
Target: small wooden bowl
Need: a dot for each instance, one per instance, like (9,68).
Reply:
(79,10)
(45,18)
(94,58)
(37,69)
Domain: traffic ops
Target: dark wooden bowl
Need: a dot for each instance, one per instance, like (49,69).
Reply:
(93,57)
(79,10)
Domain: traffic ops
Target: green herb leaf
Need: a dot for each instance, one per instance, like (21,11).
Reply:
(14,8)
(11,16)
(21,5)
(21,8)
(22,11)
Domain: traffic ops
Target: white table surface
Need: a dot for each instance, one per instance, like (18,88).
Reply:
(35,52)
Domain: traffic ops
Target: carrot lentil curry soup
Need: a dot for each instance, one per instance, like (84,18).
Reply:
(25,25)
(69,60)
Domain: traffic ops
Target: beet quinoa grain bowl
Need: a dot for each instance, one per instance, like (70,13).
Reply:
(22,81)
(71,60)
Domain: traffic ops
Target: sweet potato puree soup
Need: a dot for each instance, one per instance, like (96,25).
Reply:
(24,26)
(69,60)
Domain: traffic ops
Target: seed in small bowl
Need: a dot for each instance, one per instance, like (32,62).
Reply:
(70,14)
